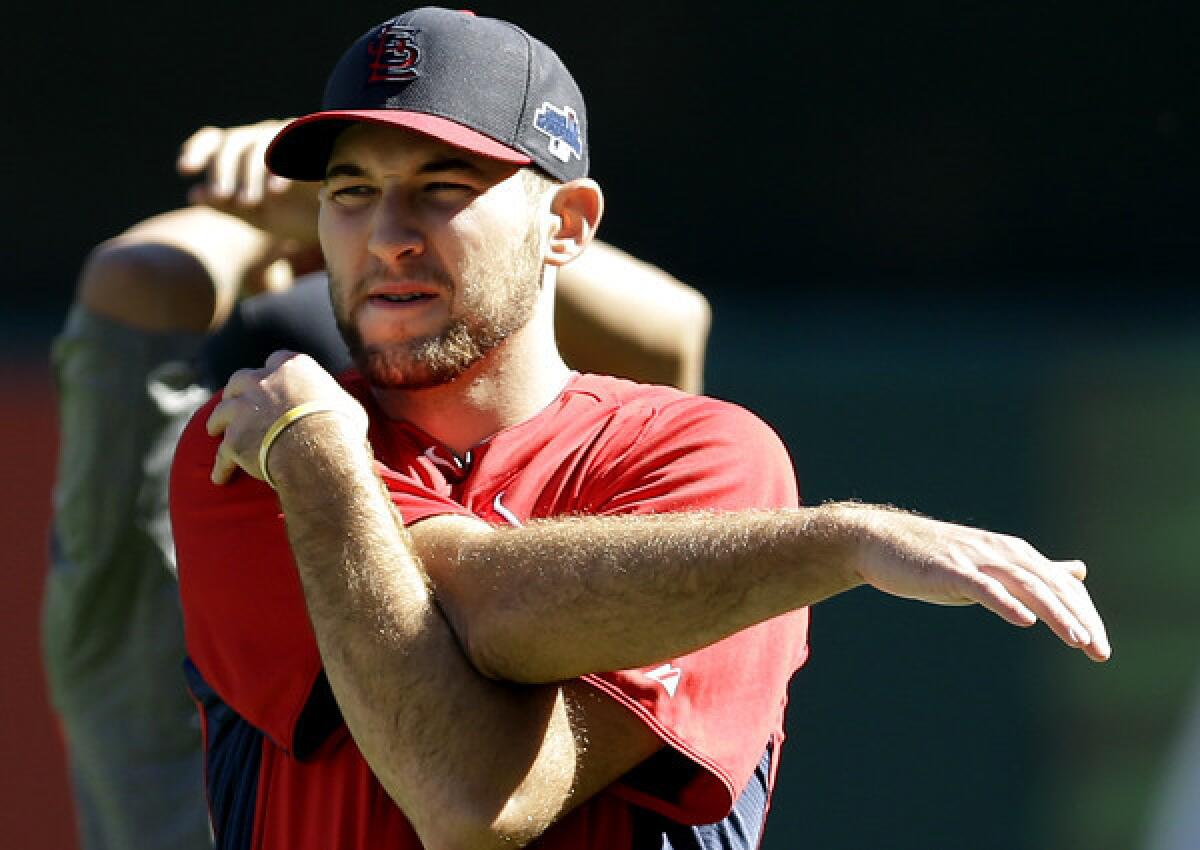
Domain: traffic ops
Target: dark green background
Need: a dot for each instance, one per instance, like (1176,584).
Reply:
(1073,425)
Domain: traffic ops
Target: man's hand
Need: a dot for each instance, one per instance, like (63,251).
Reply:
(946,564)
(236,181)
(254,399)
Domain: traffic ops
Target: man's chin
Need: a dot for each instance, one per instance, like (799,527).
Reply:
(421,363)
(387,370)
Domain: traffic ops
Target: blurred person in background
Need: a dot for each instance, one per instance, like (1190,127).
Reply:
(163,314)
(1176,820)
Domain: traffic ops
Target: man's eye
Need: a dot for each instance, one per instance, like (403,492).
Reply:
(352,194)
(443,186)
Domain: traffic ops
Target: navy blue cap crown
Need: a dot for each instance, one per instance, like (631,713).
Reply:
(477,83)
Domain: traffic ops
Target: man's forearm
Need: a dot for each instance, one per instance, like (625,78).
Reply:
(424,718)
(559,598)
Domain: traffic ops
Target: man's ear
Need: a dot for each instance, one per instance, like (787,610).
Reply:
(575,211)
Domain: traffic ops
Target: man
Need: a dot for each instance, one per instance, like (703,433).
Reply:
(386,560)
(156,325)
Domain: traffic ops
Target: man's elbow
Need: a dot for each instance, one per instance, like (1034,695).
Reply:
(693,344)
(455,836)
(506,647)
(473,827)
(674,354)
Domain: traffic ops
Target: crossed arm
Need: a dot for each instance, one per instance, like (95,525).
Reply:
(472,762)
(393,651)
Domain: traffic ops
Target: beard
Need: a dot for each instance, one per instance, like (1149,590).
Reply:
(497,294)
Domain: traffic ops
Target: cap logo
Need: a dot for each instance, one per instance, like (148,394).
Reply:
(562,126)
(393,54)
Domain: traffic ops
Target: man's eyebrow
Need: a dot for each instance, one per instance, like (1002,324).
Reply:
(344,169)
(449,163)
(434,166)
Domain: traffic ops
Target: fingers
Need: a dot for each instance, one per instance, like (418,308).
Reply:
(1043,600)
(252,187)
(241,382)
(1054,593)
(278,358)
(232,419)
(255,398)
(1082,605)
(234,159)
(977,587)
(199,148)
(947,564)
(224,465)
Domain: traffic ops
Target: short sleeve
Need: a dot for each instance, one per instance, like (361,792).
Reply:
(721,706)
(695,454)
(245,622)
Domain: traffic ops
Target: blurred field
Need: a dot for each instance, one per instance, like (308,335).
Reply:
(1067,418)
(34,806)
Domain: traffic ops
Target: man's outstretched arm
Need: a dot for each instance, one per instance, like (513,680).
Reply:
(563,597)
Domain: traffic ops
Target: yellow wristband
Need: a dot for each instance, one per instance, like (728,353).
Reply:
(277,427)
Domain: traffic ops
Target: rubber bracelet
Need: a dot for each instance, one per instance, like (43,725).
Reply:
(289,417)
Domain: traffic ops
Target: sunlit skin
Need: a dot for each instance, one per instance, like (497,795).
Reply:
(419,239)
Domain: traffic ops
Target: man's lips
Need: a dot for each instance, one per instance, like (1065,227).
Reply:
(411,298)
(400,294)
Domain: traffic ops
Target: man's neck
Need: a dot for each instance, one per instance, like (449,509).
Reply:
(511,384)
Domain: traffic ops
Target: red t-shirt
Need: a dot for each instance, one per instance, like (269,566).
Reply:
(604,446)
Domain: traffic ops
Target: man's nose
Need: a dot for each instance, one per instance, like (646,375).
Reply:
(396,232)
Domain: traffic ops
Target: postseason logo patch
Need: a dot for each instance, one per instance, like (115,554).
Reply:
(392,55)
(562,126)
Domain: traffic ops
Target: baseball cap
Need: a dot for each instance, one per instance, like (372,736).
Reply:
(476,83)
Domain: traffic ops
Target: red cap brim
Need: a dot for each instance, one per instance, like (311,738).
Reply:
(300,151)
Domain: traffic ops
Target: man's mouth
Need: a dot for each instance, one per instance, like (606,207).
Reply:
(408,298)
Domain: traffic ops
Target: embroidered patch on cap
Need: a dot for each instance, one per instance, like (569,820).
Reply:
(562,126)
(393,54)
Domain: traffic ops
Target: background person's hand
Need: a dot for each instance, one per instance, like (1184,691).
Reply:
(235,180)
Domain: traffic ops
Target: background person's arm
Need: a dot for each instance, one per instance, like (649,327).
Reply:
(183,270)
(618,315)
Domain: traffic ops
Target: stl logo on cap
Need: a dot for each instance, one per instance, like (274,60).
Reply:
(562,126)
(393,54)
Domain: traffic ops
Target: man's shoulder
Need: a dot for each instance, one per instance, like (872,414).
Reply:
(666,407)
(650,415)
(624,393)
(656,448)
